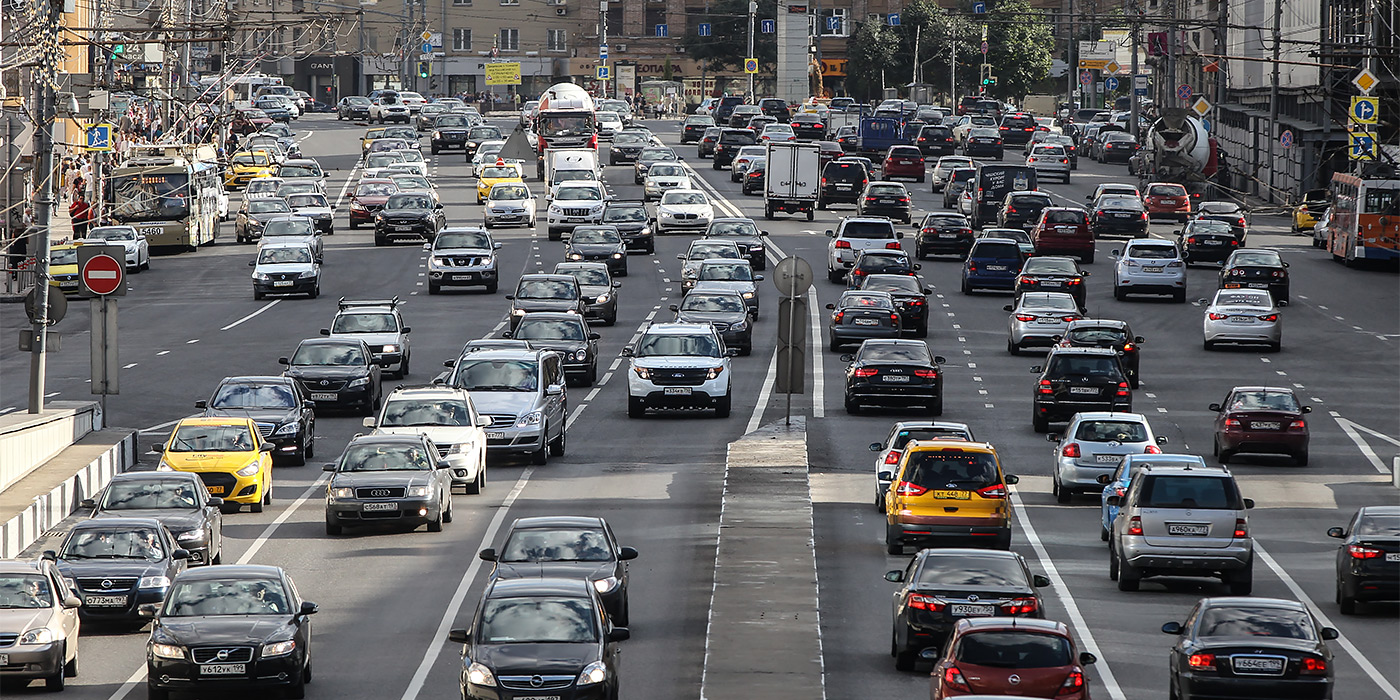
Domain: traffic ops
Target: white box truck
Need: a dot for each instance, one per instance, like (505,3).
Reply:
(792,181)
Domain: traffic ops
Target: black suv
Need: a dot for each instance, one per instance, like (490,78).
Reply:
(450,131)
(633,222)
(1022,209)
(1075,380)
(730,141)
(1017,129)
(843,181)
(283,414)
(409,215)
(726,107)
(775,107)
(935,140)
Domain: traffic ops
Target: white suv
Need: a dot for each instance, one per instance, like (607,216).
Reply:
(449,418)
(678,365)
(857,233)
(576,202)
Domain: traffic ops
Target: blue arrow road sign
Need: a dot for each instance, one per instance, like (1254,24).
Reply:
(1364,110)
(979,8)
(833,24)
(661,31)
(1110,83)
(894,19)
(704,29)
(768,26)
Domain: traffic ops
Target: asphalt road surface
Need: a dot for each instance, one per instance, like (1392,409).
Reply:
(387,598)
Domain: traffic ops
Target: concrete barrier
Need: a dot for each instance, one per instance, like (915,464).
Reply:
(53,491)
(28,441)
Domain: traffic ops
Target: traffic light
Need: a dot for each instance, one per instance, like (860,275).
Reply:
(425,69)
(118,49)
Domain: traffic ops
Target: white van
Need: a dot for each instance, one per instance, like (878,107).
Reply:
(569,164)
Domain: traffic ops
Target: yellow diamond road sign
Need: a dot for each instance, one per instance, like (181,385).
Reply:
(1112,67)
(1365,80)
(1201,106)
(427,36)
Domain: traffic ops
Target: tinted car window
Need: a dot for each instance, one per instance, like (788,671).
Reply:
(903,437)
(1255,622)
(901,283)
(1014,650)
(667,344)
(1165,491)
(537,620)
(860,229)
(978,571)
(1160,252)
(1084,365)
(1108,430)
(1094,336)
(890,352)
(732,138)
(227,597)
(497,375)
(998,251)
(1049,266)
(569,544)
(951,470)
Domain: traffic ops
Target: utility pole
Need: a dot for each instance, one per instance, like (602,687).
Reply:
(918,29)
(1221,49)
(1172,33)
(1273,99)
(753,9)
(1071,67)
(1135,27)
(361,88)
(45,80)
(953,66)
(603,42)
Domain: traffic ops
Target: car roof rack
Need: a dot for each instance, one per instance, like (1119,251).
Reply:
(350,303)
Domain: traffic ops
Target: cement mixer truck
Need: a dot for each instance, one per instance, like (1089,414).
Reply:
(564,119)
(1178,149)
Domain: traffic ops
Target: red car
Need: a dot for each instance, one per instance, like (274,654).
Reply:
(249,121)
(1261,419)
(1064,231)
(830,150)
(904,161)
(369,197)
(1167,199)
(1004,655)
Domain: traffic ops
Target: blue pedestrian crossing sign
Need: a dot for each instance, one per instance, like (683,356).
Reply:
(768,26)
(1363,145)
(661,31)
(704,29)
(894,19)
(98,137)
(1363,110)
(604,73)
(1110,83)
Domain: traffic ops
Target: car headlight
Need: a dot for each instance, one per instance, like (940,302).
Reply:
(437,134)
(646,231)
(748,295)
(307,275)
(164,466)
(714,372)
(642,372)
(575,256)
(362,381)
(261,277)
(593,674)
(553,209)
(527,420)
(390,348)
(518,312)
(286,429)
(251,469)
(43,635)
(738,326)
(605,585)
(478,674)
(190,536)
(617,256)
(580,355)
(417,492)
(667,215)
(342,492)
(167,651)
(603,298)
(155,582)
(283,648)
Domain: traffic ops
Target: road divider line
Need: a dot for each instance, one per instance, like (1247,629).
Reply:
(814,350)
(249,317)
(763,395)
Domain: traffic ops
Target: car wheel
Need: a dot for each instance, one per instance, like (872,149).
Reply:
(1209,345)
(1089,258)
(1129,579)
(1112,563)
(1062,495)
(1241,582)
(1103,533)
(1119,294)
(1345,605)
(434,288)
(852,406)
(1012,347)
(835,276)
(557,448)
(904,660)
(540,457)
(479,482)
(635,407)
(70,669)
(1179,296)
(879,503)
(435,525)
(936,407)
(1300,457)
(722,407)
(892,544)
(1040,423)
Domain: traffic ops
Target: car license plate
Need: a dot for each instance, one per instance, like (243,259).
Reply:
(1265,425)
(1392,556)
(1184,529)
(495,436)
(1051,283)
(996,268)
(1108,459)
(318,396)
(971,610)
(104,601)
(843,187)
(379,506)
(215,490)
(1047,321)
(1151,269)
(464,277)
(949,235)
(1208,242)
(896,378)
(1122,216)
(403,228)
(223,669)
(1241,319)
(282,283)
(677,391)
(953,495)
(1258,285)
(1255,664)
(1083,390)
(866,322)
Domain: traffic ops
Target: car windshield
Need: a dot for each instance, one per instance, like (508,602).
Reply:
(112,233)
(247,596)
(1255,621)
(888,190)
(1097,335)
(1152,252)
(298,171)
(1201,492)
(113,543)
(545,289)
(1264,401)
(936,221)
(898,353)
(251,159)
(299,201)
(548,329)
(563,544)
(943,570)
(865,301)
(385,458)
(670,344)
(867,229)
(383,159)
(723,303)
(1111,431)
(629,137)
(903,437)
(666,170)
(284,256)
(449,122)
(365,323)
(497,375)
(462,239)
(895,283)
(683,198)
(508,193)
(289,227)
(1048,302)
(1049,266)
(211,438)
(591,276)
(960,471)
(588,194)
(700,251)
(25,591)
(409,201)
(268,206)
(1013,649)
(731,272)
(149,494)
(624,214)
(1083,366)
(537,620)
(484,132)
(328,354)
(241,395)
(595,236)
(1243,297)
(651,154)
(262,185)
(375,189)
(63,256)
(402,413)
(499,172)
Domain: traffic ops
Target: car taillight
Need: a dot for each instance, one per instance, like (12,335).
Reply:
(925,373)
(1069,318)
(1011,210)
(1297,425)
(953,678)
(1026,280)
(1025,318)
(823,181)
(1313,666)
(1232,422)
(1144,216)
(1202,662)
(1019,606)
(1191,240)
(895,245)
(1071,450)
(908,489)
(1241,528)
(1044,386)
(1218,317)
(837,318)
(1152,450)
(1135,526)
(866,372)
(1074,683)
(1122,389)
(1356,551)
(993,491)
(892,457)
(1279,273)
(1240,221)
(1270,317)
(905,200)
(1004,128)
(916,302)
(925,602)
(1073,282)
(843,244)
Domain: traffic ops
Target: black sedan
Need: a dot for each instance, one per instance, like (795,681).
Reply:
(1206,240)
(118,564)
(885,198)
(943,233)
(545,292)
(1052,274)
(598,287)
(983,142)
(745,234)
(808,127)
(1256,268)
(284,416)
(694,127)
(725,310)
(449,131)
(648,157)
(879,261)
(394,480)
(626,145)
(941,586)
(1250,648)
(1227,213)
(566,333)
(894,373)
(859,316)
(336,373)
(602,244)
(177,500)
(416,215)
(910,299)
(1368,558)
(224,627)
(1116,147)
(632,220)
(353,107)
(540,637)
(567,547)
(1118,215)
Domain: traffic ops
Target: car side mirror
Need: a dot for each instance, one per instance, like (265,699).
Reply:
(1336,532)
(510,297)
(180,554)
(1114,253)
(627,553)
(619,634)
(594,336)
(1086,658)
(885,476)
(158,447)
(1177,232)
(368,422)
(830,233)
(939,359)
(1162,439)
(626,352)
(459,636)
(617,284)
(831,306)
(407,329)
(265,447)
(731,352)
(308,608)
(146,610)
(325,331)
(214,502)
(1172,628)
(201,404)
(1037,369)
(1307,409)
(483,421)
(675,307)
(763,233)
(680,256)
(1330,633)
(427,246)
(848,357)
(554,390)
(1040,581)
(252,263)
(758,278)
(1006,308)
(88,504)
(927,290)
(1086,273)
(488,554)
(496,246)
(328,467)
(1215,407)
(1052,437)
(894,576)
(876,447)
(1114,500)
(1248,503)
(1011,479)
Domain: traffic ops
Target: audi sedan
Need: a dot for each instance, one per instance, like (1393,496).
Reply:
(394,480)
(894,373)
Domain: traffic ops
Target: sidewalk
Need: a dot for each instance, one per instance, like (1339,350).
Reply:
(60,232)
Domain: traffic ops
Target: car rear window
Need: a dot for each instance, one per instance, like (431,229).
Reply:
(957,570)
(1256,621)
(903,437)
(1018,122)
(1097,336)
(905,152)
(1378,526)
(1064,217)
(1030,201)
(1111,430)
(844,171)
(867,229)
(1158,252)
(1083,366)
(883,263)
(996,251)
(1013,649)
(1172,491)
(899,353)
(888,189)
(960,471)
(1167,191)
(746,138)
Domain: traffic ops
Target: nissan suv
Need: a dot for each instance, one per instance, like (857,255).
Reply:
(1182,521)
(1074,380)
(678,365)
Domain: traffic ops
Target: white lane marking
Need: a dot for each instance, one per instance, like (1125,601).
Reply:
(162,352)
(814,347)
(592,394)
(161,426)
(264,307)
(8,409)
(346,187)
(191,342)
(1076,618)
(1352,429)
(763,395)
(51,394)
(454,607)
(129,366)
(1372,672)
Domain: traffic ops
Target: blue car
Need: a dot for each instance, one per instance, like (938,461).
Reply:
(1117,484)
(993,263)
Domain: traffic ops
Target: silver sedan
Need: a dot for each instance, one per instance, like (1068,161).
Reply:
(1039,318)
(1243,316)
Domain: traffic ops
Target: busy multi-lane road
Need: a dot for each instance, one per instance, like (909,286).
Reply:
(387,598)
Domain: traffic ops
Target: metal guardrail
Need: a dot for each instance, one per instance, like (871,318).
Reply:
(17,274)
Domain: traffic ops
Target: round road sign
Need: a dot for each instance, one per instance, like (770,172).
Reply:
(792,277)
(1183,92)
(58,305)
(102,274)
(1286,138)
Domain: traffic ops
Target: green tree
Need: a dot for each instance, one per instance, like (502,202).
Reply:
(870,60)
(728,43)
(1019,47)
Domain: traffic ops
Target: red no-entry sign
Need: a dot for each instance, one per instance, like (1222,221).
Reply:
(103,274)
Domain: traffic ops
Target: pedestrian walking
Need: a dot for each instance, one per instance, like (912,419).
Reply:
(81,214)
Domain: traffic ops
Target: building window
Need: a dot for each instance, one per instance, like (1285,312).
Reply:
(510,40)
(461,3)
(462,38)
(558,40)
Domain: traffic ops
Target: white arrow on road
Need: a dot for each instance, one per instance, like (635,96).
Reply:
(1354,430)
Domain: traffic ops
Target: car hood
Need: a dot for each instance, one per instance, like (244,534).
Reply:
(627,226)
(384,478)
(469,252)
(595,248)
(741,241)
(726,317)
(740,286)
(92,568)
(263,415)
(222,629)
(176,520)
(535,659)
(372,200)
(407,213)
(545,304)
(371,339)
(666,180)
(590,570)
(24,618)
(686,209)
(507,203)
(208,461)
(283,268)
(676,361)
(499,402)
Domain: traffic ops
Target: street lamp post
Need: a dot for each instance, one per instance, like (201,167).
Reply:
(753,9)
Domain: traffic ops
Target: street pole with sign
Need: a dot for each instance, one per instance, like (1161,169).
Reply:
(102,277)
(753,9)
(792,277)
(46,82)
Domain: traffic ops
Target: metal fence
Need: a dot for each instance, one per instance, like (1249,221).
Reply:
(17,274)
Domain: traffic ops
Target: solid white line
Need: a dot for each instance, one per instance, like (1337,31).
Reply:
(459,597)
(161,426)
(814,350)
(764,394)
(1350,429)
(8,409)
(1372,672)
(265,307)
(1076,618)
(346,187)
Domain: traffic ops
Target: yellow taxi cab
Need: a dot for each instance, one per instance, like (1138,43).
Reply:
(499,172)
(248,165)
(63,267)
(948,493)
(370,137)
(229,455)
(1309,211)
